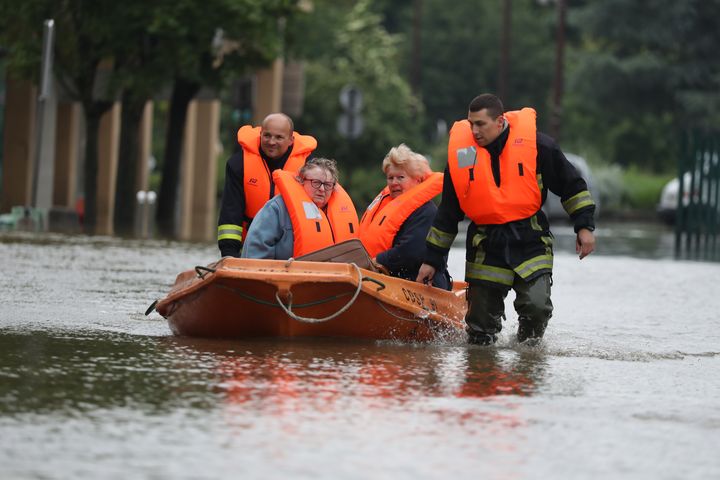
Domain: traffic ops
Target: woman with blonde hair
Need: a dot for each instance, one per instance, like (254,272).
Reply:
(395,224)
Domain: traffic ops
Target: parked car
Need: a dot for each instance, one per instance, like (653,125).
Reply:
(667,206)
(702,192)
(553,207)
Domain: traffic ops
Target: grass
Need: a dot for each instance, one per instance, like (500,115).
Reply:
(641,189)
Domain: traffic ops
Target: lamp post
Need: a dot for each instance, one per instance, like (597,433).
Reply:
(45,140)
(556,119)
(503,70)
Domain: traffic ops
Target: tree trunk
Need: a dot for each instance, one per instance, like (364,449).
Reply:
(93,112)
(125,202)
(183,92)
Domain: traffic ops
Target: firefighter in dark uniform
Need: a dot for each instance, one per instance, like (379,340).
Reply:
(248,175)
(499,170)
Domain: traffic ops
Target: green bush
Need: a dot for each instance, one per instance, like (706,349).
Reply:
(363,184)
(609,187)
(624,189)
(642,189)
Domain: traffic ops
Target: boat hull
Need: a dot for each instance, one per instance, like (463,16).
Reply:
(243,298)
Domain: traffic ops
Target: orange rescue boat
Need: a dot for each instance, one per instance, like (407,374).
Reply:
(241,298)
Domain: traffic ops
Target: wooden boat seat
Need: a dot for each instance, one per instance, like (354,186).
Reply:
(349,251)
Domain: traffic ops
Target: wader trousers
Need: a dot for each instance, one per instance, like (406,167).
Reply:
(532,303)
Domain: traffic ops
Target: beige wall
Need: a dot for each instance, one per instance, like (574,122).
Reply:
(18,143)
(268,91)
(204,216)
(108,146)
(67,143)
(198,187)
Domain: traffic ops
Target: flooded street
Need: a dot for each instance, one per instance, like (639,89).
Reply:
(624,385)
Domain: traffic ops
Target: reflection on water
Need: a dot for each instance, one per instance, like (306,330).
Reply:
(75,373)
(635,239)
(78,372)
(330,373)
(90,387)
(640,240)
(96,392)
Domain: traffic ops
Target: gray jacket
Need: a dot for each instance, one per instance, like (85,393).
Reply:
(270,234)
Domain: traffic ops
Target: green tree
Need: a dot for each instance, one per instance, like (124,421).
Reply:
(639,75)
(210,42)
(87,40)
(148,69)
(106,49)
(350,46)
(460,56)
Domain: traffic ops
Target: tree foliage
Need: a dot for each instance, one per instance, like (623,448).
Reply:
(208,43)
(460,55)
(88,50)
(639,76)
(358,51)
(136,49)
(636,73)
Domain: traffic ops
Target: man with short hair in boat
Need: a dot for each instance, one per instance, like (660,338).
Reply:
(312,212)
(395,224)
(500,168)
(248,175)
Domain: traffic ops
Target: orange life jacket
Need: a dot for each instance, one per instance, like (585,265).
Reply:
(518,195)
(384,216)
(256,174)
(313,228)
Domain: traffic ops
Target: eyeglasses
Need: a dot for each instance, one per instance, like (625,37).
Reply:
(316,184)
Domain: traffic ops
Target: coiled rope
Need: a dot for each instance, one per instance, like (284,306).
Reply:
(288,309)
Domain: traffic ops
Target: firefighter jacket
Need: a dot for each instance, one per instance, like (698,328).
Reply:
(248,184)
(497,252)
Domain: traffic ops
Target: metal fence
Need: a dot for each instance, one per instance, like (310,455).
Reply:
(698,214)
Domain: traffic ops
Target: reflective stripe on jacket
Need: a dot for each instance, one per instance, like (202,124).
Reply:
(518,195)
(384,216)
(314,228)
(257,180)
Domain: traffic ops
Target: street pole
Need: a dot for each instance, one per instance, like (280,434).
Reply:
(503,70)
(416,78)
(556,119)
(43,173)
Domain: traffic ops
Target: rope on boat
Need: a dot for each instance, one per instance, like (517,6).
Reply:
(374,280)
(202,271)
(288,309)
(414,319)
(266,303)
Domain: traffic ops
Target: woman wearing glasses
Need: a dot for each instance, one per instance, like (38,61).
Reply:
(394,226)
(312,212)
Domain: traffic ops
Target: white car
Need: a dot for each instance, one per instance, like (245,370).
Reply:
(667,206)
(553,207)
(702,191)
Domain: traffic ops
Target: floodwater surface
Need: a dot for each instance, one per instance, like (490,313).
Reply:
(624,385)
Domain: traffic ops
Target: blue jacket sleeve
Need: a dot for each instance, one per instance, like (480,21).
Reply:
(270,234)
